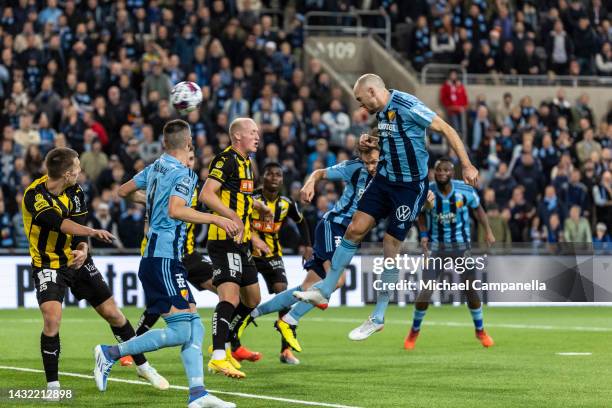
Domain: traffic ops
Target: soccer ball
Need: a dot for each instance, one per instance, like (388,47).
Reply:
(186,96)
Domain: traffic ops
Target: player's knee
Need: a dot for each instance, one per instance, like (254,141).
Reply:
(177,333)
(356,231)
(421,305)
(51,325)
(252,301)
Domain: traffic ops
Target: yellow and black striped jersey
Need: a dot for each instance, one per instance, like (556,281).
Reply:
(189,246)
(49,247)
(268,229)
(235,174)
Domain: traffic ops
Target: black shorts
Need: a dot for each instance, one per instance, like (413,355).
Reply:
(199,269)
(273,271)
(85,283)
(232,262)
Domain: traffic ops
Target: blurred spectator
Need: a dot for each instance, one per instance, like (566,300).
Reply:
(602,195)
(101,219)
(554,229)
(521,213)
(577,228)
(587,146)
(601,235)
(453,97)
(6,227)
(337,121)
(559,48)
(603,60)
(26,134)
(94,161)
(499,226)
(549,205)
(321,156)
(131,226)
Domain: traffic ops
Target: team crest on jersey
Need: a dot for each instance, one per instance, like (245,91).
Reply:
(391,115)
(458,201)
(40,202)
(185,294)
(219,164)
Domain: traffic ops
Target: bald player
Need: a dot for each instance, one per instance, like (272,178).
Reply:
(228,192)
(398,190)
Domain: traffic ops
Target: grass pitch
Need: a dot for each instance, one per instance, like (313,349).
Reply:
(448,368)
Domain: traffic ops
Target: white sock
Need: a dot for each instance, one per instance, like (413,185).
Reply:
(290,320)
(144,365)
(255,313)
(218,355)
(53,384)
(228,345)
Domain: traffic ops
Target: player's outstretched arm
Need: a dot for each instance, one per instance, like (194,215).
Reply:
(131,192)
(178,209)
(470,173)
(263,209)
(481,216)
(307,192)
(72,228)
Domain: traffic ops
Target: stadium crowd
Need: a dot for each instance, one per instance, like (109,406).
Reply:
(526,37)
(96,76)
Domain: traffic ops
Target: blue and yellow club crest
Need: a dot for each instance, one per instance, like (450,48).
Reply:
(391,115)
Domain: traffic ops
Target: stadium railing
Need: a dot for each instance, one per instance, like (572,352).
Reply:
(435,73)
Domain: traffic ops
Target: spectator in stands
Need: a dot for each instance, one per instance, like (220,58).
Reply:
(584,37)
(576,228)
(601,235)
(7,231)
(26,134)
(587,146)
(549,205)
(21,239)
(237,106)
(101,219)
(603,60)
(554,229)
(577,192)
(421,43)
(499,226)
(337,121)
(321,157)
(560,48)
(94,161)
(131,226)
(521,214)
(602,196)
(528,62)
(530,176)
(453,97)
(443,45)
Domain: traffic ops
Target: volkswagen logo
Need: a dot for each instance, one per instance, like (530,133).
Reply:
(403,213)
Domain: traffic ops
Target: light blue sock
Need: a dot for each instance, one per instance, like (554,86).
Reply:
(300,309)
(281,301)
(191,354)
(382,300)
(477,317)
(176,333)
(417,318)
(342,257)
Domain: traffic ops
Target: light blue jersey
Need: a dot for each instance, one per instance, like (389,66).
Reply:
(401,128)
(164,178)
(449,219)
(356,177)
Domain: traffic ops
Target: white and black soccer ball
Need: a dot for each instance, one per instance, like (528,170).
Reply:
(186,96)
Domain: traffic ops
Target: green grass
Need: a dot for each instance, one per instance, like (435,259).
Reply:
(448,368)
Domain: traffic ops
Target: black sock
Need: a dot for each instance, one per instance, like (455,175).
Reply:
(124,334)
(50,350)
(221,324)
(241,312)
(284,344)
(146,322)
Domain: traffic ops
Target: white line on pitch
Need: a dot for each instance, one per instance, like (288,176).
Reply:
(388,321)
(574,354)
(181,387)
